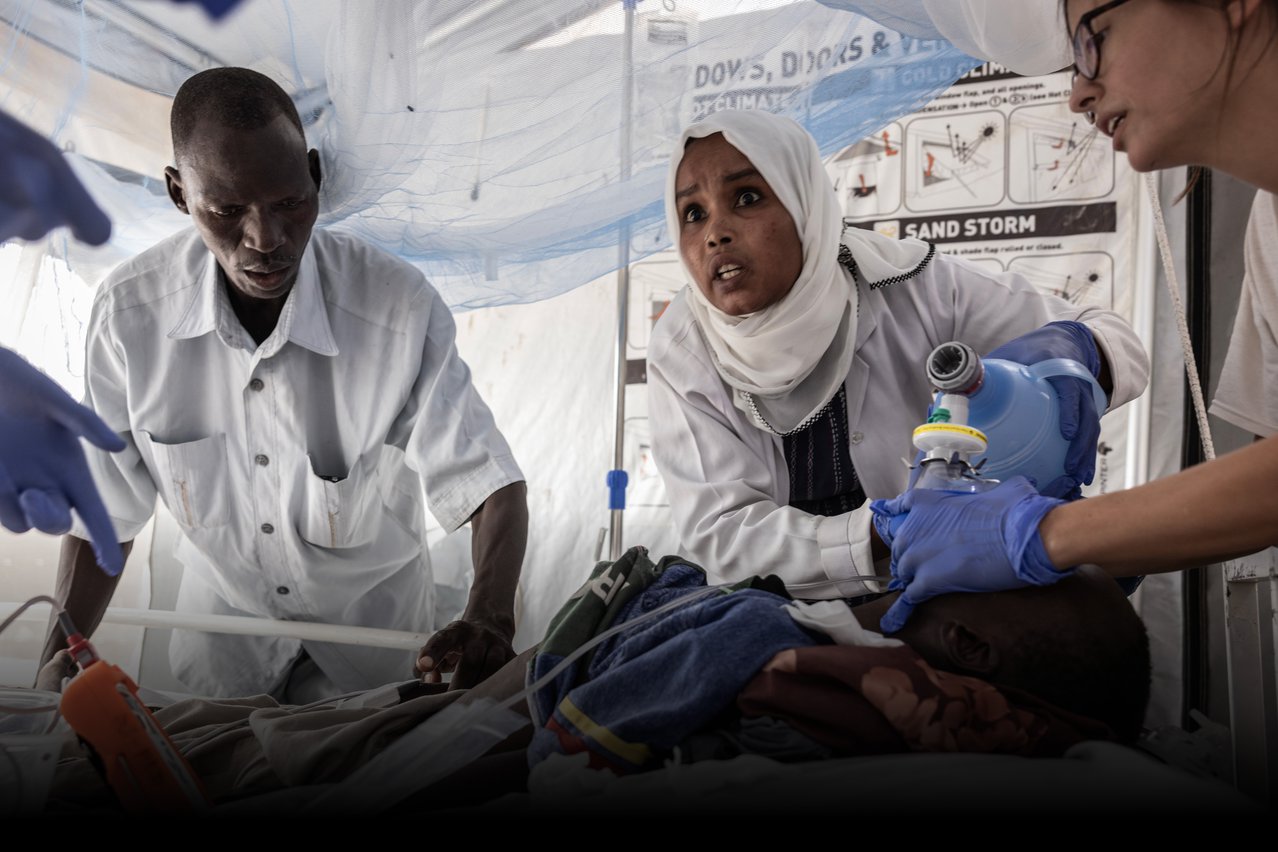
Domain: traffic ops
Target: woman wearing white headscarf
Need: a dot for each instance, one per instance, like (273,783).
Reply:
(786,379)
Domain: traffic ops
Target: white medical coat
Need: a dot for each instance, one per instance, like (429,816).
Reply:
(727,480)
(296,469)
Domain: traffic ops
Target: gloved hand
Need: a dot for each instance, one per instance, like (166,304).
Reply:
(884,526)
(39,192)
(1079,419)
(43,472)
(957,542)
(887,525)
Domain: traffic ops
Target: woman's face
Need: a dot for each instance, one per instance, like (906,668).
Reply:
(1160,78)
(735,235)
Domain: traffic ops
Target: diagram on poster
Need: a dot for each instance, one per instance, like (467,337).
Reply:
(867,175)
(956,161)
(1082,278)
(1055,154)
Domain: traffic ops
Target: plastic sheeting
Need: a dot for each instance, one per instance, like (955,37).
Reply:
(480,140)
(1026,36)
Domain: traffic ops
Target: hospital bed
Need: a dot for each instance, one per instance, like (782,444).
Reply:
(1092,778)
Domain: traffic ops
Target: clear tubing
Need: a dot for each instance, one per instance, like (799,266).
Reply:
(453,738)
(4,625)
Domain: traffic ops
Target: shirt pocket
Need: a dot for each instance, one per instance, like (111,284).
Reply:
(192,479)
(336,512)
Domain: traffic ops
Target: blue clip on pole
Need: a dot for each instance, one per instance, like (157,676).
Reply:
(617,482)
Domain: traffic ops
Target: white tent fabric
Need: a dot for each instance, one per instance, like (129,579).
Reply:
(1026,36)
(479,139)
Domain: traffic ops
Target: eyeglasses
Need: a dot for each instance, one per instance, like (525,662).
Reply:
(1087,44)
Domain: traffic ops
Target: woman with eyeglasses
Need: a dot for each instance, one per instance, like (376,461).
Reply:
(1172,84)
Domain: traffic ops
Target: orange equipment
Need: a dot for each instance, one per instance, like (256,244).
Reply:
(142,765)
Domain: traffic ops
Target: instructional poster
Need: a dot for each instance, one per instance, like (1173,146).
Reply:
(999,171)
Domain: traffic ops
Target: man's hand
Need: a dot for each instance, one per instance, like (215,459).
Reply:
(39,192)
(479,644)
(43,472)
(472,649)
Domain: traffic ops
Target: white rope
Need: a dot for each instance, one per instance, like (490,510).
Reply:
(1173,287)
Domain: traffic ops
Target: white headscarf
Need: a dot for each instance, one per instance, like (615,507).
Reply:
(787,361)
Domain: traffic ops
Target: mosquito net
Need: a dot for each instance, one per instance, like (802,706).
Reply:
(503,147)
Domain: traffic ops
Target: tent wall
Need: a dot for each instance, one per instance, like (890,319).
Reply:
(1239,647)
(1163,598)
(545,368)
(1230,203)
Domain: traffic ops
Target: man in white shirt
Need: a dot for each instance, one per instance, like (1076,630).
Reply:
(1244,397)
(291,395)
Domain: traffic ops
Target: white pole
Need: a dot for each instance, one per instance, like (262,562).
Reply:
(623,289)
(246,626)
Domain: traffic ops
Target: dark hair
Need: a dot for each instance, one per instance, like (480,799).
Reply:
(232,97)
(1096,665)
(1229,61)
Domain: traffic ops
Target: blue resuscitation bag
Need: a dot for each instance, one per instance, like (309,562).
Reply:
(1015,406)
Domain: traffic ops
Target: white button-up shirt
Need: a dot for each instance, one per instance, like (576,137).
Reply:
(296,468)
(728,481)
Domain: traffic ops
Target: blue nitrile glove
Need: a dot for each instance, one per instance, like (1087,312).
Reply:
(884,527)
(958,542)
(1079,419)
(43,472)
(39,192)
(887,525)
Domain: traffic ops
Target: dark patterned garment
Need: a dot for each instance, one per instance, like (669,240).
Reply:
(822,479)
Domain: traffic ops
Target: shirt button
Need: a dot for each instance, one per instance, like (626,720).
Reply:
(257,384)
(268,529)
(262,460)
(857,437)
(283,590)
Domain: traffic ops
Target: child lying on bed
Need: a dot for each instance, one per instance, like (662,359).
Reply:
(1028,672)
